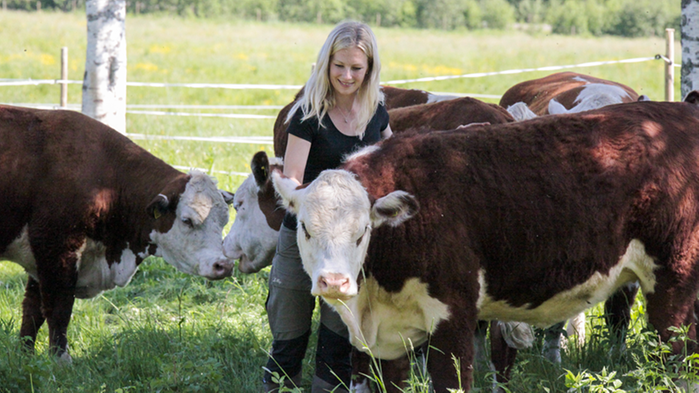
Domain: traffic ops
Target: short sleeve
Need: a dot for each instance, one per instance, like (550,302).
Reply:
(299,128)
(382,115)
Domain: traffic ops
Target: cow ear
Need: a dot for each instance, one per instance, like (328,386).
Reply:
(158,206)
(260,168)
(227,196)
(692,97)
(287,190)
(393,209)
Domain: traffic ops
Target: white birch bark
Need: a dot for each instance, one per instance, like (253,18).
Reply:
(104,84)
(690,46)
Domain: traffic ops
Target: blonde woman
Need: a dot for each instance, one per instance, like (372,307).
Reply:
(340,111)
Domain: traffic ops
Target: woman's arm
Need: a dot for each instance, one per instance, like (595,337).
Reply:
(295,157)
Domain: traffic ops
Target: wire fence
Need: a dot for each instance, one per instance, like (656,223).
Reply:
(166,110)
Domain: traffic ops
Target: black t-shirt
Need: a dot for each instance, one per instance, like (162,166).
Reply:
(329,146)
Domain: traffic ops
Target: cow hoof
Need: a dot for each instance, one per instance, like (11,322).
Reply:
(65,359)
(360,388)
(553,354)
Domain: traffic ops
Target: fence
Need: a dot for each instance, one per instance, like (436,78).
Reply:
(668,60)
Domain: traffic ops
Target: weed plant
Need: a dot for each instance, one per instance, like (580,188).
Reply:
(171,332)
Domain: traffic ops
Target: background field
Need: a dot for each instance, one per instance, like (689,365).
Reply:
(167,331)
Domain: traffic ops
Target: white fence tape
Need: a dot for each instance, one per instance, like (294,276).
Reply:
(189,168)
(228,115)
(18,82)
(519,71)
(253,140)
(262,140)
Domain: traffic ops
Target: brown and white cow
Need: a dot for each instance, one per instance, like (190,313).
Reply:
(564,92)
(533,221)
(570,92)
(82,206)
(394,97)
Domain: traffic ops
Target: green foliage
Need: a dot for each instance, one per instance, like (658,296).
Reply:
(628,18)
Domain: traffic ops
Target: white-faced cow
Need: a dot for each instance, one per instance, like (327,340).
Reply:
(421,235)
(564,92)
(82,206)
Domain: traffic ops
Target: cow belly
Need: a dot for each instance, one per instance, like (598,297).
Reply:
(94,273)
(20,252)
(385,324)
(634,265)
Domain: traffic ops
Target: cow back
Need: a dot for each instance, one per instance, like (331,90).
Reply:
(565,87)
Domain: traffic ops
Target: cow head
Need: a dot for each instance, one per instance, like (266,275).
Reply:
(192,243)
(253,236)
(335,219)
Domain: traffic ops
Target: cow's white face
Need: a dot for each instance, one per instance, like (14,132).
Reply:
(194,242)
(335,219)
(250,240)
(592,96)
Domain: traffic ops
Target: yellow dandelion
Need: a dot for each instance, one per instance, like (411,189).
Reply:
(47,59)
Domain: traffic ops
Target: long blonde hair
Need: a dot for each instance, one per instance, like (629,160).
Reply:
(318,95)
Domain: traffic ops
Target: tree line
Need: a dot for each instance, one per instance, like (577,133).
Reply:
(629,18)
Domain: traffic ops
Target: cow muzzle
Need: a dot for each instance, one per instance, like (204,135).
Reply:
(220,269)
(334,286)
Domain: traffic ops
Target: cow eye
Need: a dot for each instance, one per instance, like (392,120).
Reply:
(359,241)
(305,231)
(188,222)
(237,205)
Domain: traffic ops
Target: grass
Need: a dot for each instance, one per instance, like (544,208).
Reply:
(170,332)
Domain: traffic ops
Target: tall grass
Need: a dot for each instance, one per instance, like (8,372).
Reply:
(167,331)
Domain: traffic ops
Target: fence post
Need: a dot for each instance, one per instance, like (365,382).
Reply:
(64,77)
(670,64)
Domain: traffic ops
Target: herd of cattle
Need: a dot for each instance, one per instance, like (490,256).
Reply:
(573,191)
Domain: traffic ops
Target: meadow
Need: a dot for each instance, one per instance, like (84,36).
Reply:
(170,332)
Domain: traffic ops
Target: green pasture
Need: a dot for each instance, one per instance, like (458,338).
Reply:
(170,332)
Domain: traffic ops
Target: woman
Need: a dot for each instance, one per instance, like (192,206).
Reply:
(340,111)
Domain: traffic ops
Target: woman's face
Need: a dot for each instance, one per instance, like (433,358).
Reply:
(348,67)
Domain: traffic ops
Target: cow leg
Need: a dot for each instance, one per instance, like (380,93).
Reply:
(57,268)
(674,305)
(552,342)
(392,374)
(450,358)
(32,317)
(502,354)
(617,314)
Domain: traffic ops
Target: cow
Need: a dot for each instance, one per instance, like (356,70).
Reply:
(564,92)
(570,92)
(530,221)
(394,97)
(82,206)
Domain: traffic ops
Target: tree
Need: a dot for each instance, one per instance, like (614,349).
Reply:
(104,84)
(690,46)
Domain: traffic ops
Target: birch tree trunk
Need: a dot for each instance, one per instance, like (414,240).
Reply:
(104,84)
(690,46)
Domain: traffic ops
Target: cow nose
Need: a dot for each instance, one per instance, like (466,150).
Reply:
(222,269)
(334,285)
